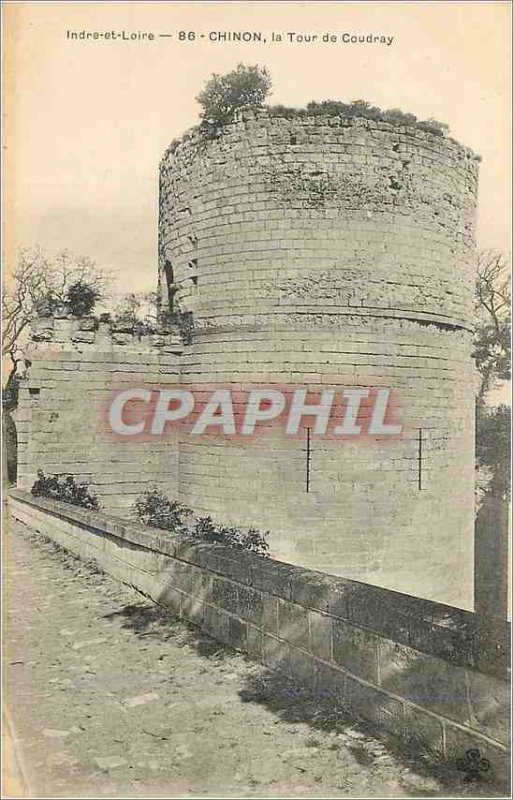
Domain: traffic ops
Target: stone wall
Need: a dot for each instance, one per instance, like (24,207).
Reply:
(332,252)
(435,676)
(75,367)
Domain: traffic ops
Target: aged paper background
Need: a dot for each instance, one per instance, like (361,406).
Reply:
(86,122)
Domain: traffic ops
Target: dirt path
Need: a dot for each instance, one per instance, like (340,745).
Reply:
(109,697)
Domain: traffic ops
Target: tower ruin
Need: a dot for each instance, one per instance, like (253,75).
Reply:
(327,251)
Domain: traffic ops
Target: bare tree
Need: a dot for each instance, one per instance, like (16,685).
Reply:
(492,346)
(29,284)
(492,353)
(37,283)
(136,308)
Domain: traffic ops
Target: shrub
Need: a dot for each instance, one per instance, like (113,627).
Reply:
(79,300)
(244,87)
(82,298)
(433,126)
(360,108)
(252,539)
(63,487)
(155,509)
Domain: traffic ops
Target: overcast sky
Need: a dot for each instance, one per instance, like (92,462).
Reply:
(87,121)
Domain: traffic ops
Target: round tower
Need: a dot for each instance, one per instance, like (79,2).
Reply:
(322,251)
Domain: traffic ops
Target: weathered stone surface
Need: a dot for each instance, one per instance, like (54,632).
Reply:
(300,666)
(83,366)
(489,702)
(270,613)
(238,633)
(333,253)
(171,598)
(254,642)
(411,694)
(110,762)
(249,604)
(321,636)
(293,624)
(276,653)
(423,730)
(356,650)
(378,707)
(426,681)
(224,595)
(193,608)
(83,336)
(217,623)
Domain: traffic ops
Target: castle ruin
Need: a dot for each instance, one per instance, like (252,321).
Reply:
(311,251)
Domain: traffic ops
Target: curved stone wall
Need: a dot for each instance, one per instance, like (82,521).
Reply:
(328,252)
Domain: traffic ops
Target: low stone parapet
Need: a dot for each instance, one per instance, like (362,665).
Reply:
(432,675)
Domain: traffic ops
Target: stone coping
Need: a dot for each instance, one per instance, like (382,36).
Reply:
(266,116)
(460,637)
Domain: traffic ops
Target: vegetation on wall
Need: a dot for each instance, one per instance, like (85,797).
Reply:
(184,321)
(248,87)
(359,108)
(223,95)
(42,284)
(155,509)
(63,487)
(139,313)
(81,298)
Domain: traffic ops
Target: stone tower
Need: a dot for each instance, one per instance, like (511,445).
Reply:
(321,251)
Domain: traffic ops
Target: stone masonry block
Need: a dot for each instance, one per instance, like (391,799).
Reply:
(238,633)
(489,701)
(274,578)
(193,608)
(254,642)
(422,730)
(321,635)
(276,653)
(492,647)
(171,598)
(217,624)
(356,649)
(270,613)
(369,703)
(329,682)
(224,595)
(301,666)
(293,624)
(235,568)
(424,680)
(249,604)
(311,590)
(84,336)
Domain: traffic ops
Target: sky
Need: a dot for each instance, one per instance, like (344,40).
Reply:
(88,121)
